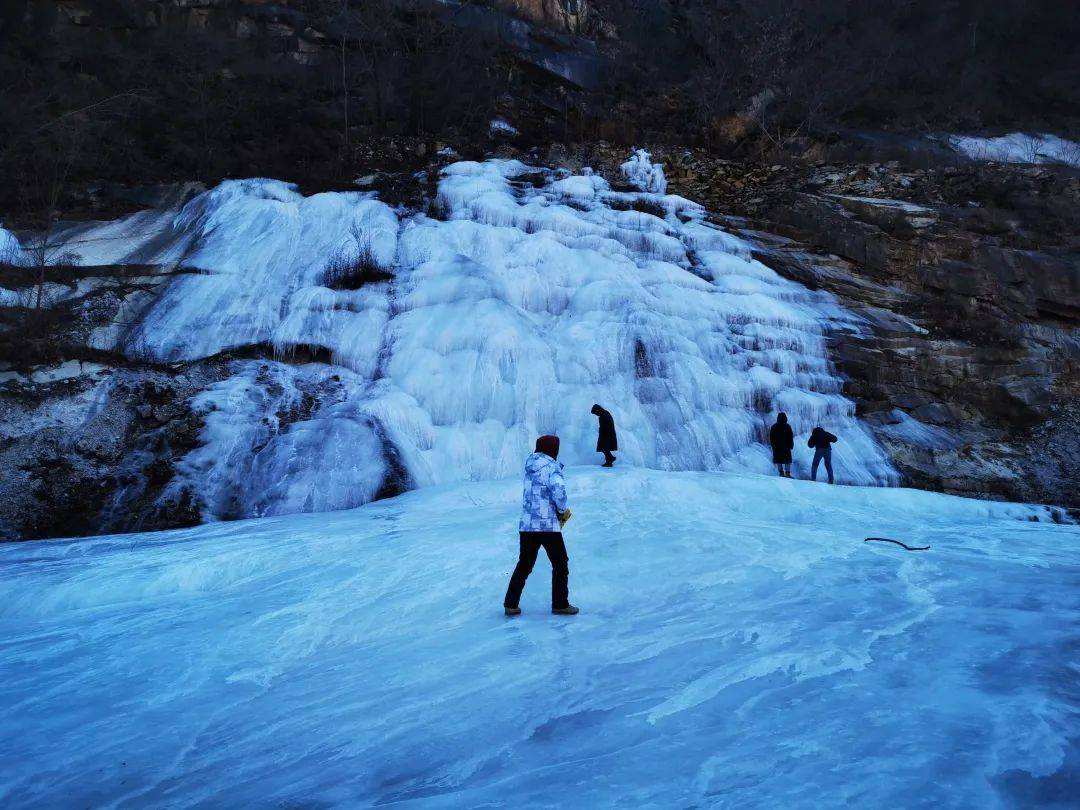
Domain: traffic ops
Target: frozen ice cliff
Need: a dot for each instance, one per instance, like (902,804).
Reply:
(739,646)
(445,342)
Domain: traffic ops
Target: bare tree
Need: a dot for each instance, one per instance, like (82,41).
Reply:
(344,22)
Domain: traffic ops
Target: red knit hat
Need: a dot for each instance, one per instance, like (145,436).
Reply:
(548,445)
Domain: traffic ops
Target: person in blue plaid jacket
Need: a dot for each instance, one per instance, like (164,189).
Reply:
(543,511)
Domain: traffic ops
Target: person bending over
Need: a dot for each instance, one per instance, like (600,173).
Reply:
(782,440)
(606,441)
(822,441)
(543,511)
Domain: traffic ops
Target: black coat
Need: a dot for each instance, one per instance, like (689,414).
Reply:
(782,440)
(821,439)
(607,440)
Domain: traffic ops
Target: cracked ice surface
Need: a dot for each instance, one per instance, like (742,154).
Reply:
(535,294)
(739,646)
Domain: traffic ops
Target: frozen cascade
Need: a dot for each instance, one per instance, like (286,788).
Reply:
(534,294)
(259,254)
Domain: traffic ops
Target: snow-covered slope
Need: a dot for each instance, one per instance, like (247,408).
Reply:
(1018,147)
(739,646)
(534,294)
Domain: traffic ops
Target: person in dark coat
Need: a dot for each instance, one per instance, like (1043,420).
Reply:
(607,441)
(782,440)
(822,441)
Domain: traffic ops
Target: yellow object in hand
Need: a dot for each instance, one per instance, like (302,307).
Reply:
(565,516)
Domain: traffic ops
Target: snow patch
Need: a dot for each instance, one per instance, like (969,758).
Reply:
(1018,147)
(499,126)
(911,431)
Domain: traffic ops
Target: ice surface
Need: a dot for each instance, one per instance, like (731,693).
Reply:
(739,646)
(11,251)
(147,237)
(271,446)
(899,205)
(1018,147)
(534,294)
(910,430)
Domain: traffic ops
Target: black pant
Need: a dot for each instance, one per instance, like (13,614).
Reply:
(560,571)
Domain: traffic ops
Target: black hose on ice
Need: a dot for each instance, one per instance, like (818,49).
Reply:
(905,545)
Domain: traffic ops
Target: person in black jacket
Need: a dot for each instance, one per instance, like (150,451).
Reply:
(607,441)
(782,440)
(821,440)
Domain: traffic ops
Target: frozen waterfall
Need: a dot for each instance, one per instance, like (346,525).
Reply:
(435,348)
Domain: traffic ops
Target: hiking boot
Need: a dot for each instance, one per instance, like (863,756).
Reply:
(512,611)
(569,610)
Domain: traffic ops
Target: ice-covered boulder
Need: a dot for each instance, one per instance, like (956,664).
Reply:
(644,174)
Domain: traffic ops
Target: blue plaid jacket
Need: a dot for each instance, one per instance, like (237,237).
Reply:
(543,495)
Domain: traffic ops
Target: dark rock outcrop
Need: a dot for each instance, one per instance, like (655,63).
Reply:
(91,454)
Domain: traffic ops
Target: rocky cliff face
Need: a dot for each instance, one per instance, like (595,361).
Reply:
(566,15)
(971,370)
(987,349)
(537,32)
